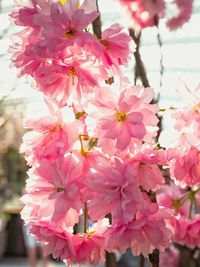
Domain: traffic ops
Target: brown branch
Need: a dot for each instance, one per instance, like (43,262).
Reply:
(110,259)
(154,258)
(156,19)
(139,63)
(96,25)
(142,261)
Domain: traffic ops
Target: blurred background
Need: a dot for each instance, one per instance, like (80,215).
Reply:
(181,61)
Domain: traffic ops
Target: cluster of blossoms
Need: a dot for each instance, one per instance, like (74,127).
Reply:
(59,52)
(92,156)
(147,13)
(183,156)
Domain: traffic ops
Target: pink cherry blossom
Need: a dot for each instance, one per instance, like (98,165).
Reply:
(54,187)
(143,13)
(184,126)
(145,163)
(23,48)
(58,242)
(68,78)
(186,168)
(90,246)
(170,257)
(52,136)
(142,234)
(185,11)
(187,231)
(118,46)
(67,22)
(172,196)
(113,189)
(123,116)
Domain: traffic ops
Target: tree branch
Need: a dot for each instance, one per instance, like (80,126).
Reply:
(139,63)
(96,25)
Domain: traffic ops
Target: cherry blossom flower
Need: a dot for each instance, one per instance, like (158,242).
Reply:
(186,167)
(54,187)
(185,11)
(90,246)
(142,234)
(172,196)
(145,163)
(144,13)
(170,257)
(58,242)
(52,136)
(187,231)
(118,46)
(113,189)
(124,116)
(65,80)
(68,21)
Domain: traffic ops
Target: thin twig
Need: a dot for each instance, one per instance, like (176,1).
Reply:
(161,52)
(85,218)
(97,24)
(138,59)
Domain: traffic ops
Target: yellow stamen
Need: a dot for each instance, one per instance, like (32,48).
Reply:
(91,142)
(90,232)
(197,107)
(120,116)
(62,1)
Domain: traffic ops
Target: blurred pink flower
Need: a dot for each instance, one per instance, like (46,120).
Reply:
(187,231)
(170,196)
(144,13)
(186,167)
(170,257)
(185,12)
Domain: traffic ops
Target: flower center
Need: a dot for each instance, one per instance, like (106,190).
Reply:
(197,107)
(59,189)
(71,72)
(69,34)
(176,203)
(90,232)
(104,42)
(56,128)
(120,116)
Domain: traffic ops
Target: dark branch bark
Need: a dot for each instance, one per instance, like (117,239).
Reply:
(110,260)
(154,258)
(96,25)
(142,261)
(139,63)
(110,257)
